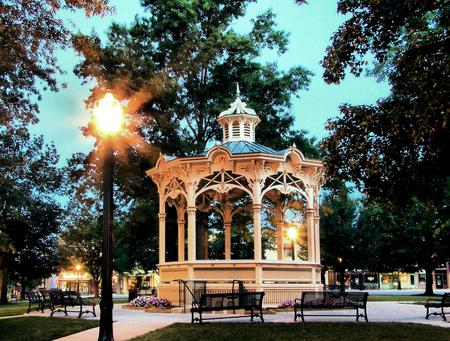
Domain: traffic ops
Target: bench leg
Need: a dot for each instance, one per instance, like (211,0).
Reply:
(365,314)
(261,315)
(443,313)
(81,311)
(357,314)
(251,314)
(302,316)
(428,314)
(192,317)
(93,311)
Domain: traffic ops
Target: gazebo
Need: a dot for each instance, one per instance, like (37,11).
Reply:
(244,186)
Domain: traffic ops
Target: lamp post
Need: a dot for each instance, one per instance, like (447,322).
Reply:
(78,267)
(108,118)
(292,235)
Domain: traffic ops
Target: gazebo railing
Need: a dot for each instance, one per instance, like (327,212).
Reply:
(191,291)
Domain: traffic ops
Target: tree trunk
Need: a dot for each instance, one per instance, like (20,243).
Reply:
(96,283)
(22,291)
(3,280)
(429,282)
(342,280)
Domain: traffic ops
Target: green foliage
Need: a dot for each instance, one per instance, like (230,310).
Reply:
(29,213)
(398,148)
(177,65)
(396,151)
(30,33)
(338,214)
(181,64)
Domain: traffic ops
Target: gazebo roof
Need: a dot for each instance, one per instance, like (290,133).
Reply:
(247,147)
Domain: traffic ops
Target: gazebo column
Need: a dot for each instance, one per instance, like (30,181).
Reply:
(227,227)
(181,211)
(162,237)
(317,237)
(257,231)
(181,224)
(257,241)
(310,234)
(191,233)
(279,229)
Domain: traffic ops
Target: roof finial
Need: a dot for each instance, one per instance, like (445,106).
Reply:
(238,92)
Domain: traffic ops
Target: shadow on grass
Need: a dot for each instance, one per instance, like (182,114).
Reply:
(42,328)
(298,331)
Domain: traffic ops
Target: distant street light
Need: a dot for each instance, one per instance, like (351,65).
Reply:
(78,267)
(109,120)
(292,235)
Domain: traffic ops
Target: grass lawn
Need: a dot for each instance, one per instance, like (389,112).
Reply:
(298,331)
(399,298)
(41,328)
(21,308)
(13,309)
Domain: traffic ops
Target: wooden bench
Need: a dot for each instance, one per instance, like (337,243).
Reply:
(435,303)
(328,300)
(60,300)
(228,301)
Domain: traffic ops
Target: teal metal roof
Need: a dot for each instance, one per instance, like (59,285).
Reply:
(246,147)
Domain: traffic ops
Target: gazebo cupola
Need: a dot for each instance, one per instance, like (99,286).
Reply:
(238,122)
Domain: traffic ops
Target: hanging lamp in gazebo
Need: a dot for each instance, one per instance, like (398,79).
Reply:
(239,179)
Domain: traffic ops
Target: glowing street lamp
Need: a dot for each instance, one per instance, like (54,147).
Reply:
(108,120)
(292,235)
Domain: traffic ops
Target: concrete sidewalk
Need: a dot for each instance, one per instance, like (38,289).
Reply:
(131,323)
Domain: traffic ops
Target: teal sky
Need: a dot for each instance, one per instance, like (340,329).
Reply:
(310,27)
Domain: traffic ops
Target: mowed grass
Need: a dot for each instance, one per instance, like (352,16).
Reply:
(41,328)
(298,331)
(13,309)
(400,298)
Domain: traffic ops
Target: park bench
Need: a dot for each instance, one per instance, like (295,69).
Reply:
(61,300)
(40,299)
(249,301)
(328,300)
(435,303)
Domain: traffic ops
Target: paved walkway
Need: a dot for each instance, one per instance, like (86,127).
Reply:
(131,323)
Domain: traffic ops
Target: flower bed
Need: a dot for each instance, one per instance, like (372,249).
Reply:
(149,302)
(287,304)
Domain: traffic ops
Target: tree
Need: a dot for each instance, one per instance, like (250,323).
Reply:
(29,213)
(401,143)
(83,243)
(337,231)
(177,67)
(395,151)
(30,33)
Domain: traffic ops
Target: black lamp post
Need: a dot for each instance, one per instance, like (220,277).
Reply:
(109,121)
(106,303)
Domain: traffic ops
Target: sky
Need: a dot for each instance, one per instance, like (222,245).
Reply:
(310,28)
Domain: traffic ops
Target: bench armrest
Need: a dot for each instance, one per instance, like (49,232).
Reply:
(434,300)
(298,301)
